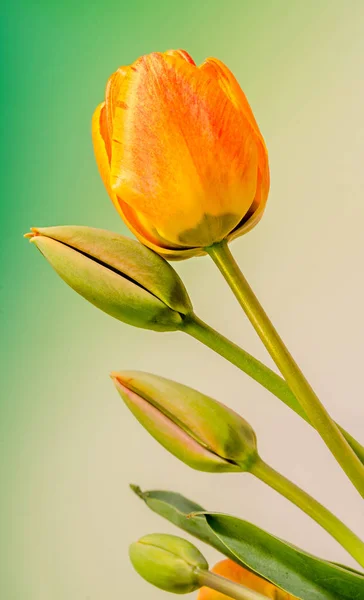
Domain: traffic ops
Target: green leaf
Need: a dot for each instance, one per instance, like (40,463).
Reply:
(186,515)
(176,509)
(294,570)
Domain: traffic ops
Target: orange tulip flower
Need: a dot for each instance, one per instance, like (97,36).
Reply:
(227,568)
(180,153)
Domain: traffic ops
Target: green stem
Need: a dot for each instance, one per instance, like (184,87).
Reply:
(255,369)
(294,377)
(311,507)
(227,587)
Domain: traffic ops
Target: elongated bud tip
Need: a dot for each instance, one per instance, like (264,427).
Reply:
(119,383)
(168,562)
(31,234)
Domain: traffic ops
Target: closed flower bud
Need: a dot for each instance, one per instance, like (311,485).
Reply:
(168,562)
(118,275)
(203,433)
(180,153)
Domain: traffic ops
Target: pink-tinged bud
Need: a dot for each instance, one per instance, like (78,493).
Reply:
(203,433)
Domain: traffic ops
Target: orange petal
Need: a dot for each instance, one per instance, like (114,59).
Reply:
(233,91)
(227,568)
(181,54)
(184,158)
(231,88)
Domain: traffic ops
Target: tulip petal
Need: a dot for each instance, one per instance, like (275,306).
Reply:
(112,93)
(183,156)
(233,91)
(101,145)
(181,54)
(250,220)
(102,149)
(231,88)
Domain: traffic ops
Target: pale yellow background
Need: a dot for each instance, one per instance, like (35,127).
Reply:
(70,446)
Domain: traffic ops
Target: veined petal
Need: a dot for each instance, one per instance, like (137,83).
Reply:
(113,95)
(231,88)
(183,157)
(181,54)
(233,91)
(102,149)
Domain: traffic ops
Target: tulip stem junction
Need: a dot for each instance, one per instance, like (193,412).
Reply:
(227,587)
(255,369)
(347,538)
(294,377)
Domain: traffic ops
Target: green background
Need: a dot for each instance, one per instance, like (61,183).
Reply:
(68,447)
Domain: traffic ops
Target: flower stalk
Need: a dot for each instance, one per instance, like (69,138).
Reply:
(347,538)
(257,370)
(294,377)
(228,587)
(228,569)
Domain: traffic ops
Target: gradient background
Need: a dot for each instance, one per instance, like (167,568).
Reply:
(68,446)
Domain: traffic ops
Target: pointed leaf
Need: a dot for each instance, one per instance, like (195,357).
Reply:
(292,569)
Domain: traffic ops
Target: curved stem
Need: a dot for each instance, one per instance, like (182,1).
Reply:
(294,377)
(255,369)
(227,587)
(311,507)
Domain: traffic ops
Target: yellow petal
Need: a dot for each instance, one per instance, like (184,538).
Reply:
(112,94)
(101,143)
(102,149)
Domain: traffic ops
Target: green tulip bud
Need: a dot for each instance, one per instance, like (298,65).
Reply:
(203,433)
(168,562)
(118,275)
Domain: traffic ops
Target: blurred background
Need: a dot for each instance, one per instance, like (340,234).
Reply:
(69,448)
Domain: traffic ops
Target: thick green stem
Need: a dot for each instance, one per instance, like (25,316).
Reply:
(227,587)
(294,377)
(311,507)
(255,369)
